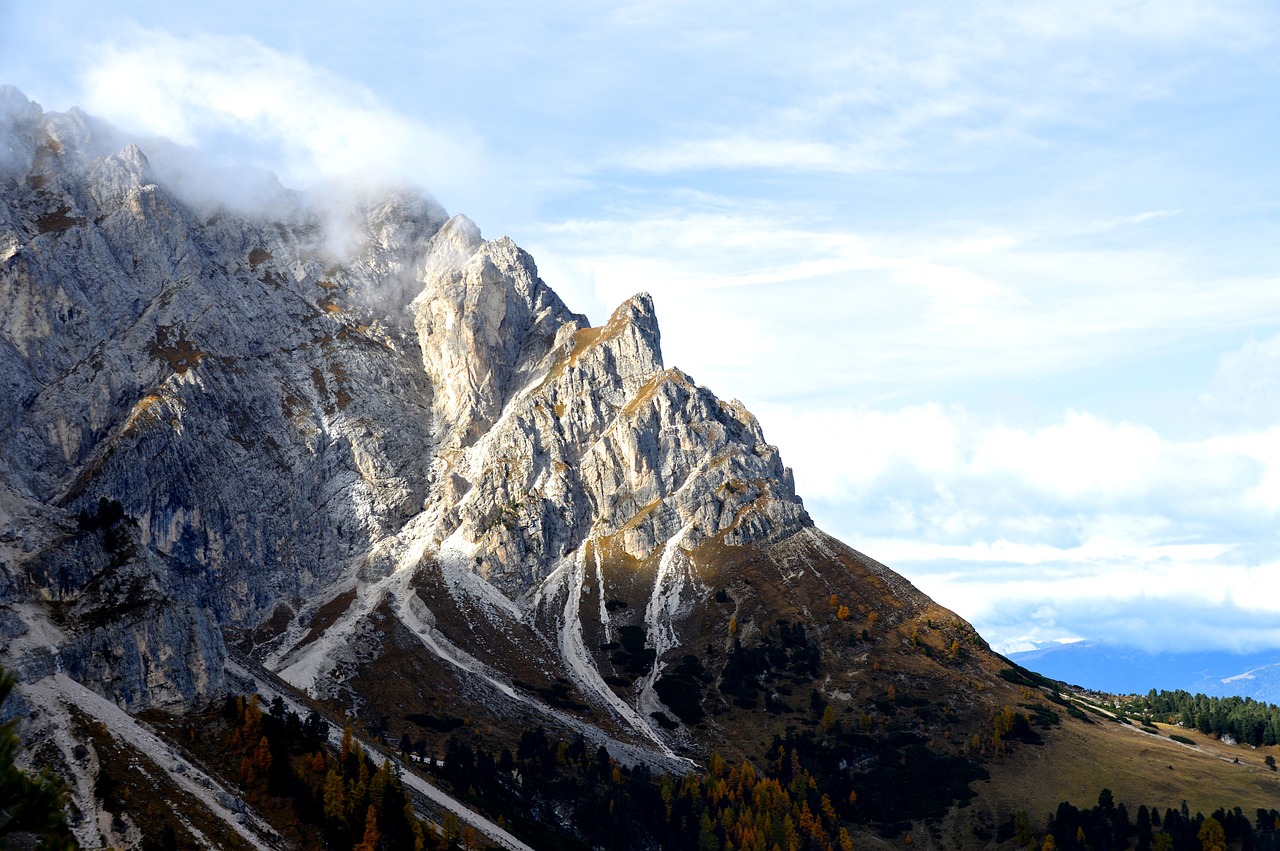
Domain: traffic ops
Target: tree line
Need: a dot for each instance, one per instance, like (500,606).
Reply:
(1242,718)
(1108,826)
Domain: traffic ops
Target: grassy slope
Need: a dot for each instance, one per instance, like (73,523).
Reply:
(1078,760)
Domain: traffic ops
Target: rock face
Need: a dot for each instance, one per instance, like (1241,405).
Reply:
(210,420)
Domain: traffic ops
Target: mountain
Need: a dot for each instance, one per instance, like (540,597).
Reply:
(368,466)
(1128,670)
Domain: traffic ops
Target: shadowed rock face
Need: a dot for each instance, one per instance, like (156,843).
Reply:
(211,420)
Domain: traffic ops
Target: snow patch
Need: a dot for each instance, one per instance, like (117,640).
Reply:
(417,617)
(605,622)
(665,605)
(306,667)
(581,667)
(1251,674)
(414,614)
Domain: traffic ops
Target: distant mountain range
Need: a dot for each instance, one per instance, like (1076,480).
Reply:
(1127,670)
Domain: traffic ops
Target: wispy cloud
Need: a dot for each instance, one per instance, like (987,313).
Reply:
(1246,384)
(1135,219)
(920,87)
(236,97)
(890,310)
(747,152)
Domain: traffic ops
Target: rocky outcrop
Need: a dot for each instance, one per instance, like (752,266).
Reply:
(606,443)
(484,320)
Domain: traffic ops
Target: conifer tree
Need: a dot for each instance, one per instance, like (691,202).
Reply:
(370,840)
(31,808)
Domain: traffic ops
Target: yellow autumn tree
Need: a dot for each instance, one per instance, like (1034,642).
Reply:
(370,840)
(1212,837)
(347,739)
(335,797)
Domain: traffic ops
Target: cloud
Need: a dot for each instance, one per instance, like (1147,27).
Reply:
(1167,608)
(1081,527)
(812,308)
(1230,25)
(1136,219)
(747,152)
(15,110)
(1246,384)
(234,96)
(1078,464)
(918,87)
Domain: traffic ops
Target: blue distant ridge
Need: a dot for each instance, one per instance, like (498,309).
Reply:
(1128,670)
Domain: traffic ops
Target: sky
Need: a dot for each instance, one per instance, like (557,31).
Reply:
(1000,280)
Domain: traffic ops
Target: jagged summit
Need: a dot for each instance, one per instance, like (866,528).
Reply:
(638,311)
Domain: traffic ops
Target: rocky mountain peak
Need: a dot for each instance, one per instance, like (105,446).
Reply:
(638,313)
(264,417)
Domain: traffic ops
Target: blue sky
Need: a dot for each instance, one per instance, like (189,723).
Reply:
(999,279)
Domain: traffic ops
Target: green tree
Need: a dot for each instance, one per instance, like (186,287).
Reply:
(334,798)
(30,807)
(707,839)
(1022,829)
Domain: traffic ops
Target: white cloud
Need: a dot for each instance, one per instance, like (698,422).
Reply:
(1136,219)
(918,86)
(1246,383)
(747,152)
(1081,463)
(1078,528)
(1228,25)
(236,96)
(835,311)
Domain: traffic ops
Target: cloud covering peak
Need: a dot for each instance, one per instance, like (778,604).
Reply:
(246,103)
